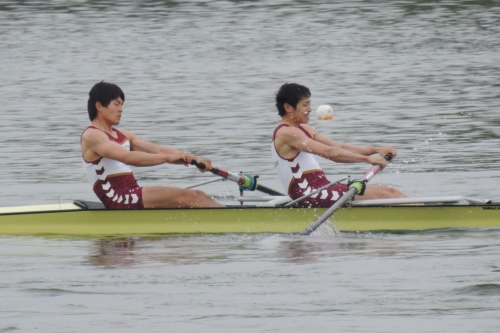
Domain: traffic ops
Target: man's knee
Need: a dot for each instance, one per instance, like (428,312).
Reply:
(197,193)
(394,193)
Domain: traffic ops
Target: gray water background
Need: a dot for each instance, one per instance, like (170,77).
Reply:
(201,76)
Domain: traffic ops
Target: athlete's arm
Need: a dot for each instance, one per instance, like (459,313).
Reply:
(363,150)
(96,144)
(140,145)
(292,139)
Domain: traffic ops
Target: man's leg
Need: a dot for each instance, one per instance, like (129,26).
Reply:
(175,197)
(380,192)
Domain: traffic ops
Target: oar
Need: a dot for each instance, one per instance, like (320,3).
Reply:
(355,188)
(206,182)
(245,181)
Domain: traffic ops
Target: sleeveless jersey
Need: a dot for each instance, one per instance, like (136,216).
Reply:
(113,181)
(302,174)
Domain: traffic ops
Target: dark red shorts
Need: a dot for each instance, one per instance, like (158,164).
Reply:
(309,183)
(120,192)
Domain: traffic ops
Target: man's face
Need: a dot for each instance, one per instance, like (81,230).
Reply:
(113,112)
(302,111)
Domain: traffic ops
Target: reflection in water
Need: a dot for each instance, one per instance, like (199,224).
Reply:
(113,253)
(307,250)
(196,250)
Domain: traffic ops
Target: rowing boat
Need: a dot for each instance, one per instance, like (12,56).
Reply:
(251,215)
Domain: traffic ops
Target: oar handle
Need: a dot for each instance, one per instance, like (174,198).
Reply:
(376,168)
(216,171)
(199,165)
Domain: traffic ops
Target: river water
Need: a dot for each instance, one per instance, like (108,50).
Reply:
(201,76)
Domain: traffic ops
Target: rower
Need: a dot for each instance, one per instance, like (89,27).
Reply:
(109,153)
(295,143)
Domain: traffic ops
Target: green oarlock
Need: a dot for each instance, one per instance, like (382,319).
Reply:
(250,183)
(359,185)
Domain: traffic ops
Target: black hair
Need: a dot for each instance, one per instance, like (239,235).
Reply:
(104,93)
(292,94)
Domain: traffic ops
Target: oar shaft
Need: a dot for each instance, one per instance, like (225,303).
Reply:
(226,174)
(339,203)
(219,172)
(342,200)
(218,179)
(372,172)
(235,178)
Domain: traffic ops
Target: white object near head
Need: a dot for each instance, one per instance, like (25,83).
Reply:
(324,112)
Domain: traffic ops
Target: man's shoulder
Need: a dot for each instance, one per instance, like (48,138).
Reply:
(91,130)
(92,133)
(308,127)
(285,128)
(293,130)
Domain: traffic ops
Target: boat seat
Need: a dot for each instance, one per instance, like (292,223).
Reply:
(84,204)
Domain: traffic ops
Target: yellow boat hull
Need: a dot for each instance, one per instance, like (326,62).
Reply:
(70,220)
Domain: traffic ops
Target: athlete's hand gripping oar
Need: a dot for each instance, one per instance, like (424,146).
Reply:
(246,182)
(356,187)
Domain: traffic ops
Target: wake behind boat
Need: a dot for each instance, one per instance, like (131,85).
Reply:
(253,214)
